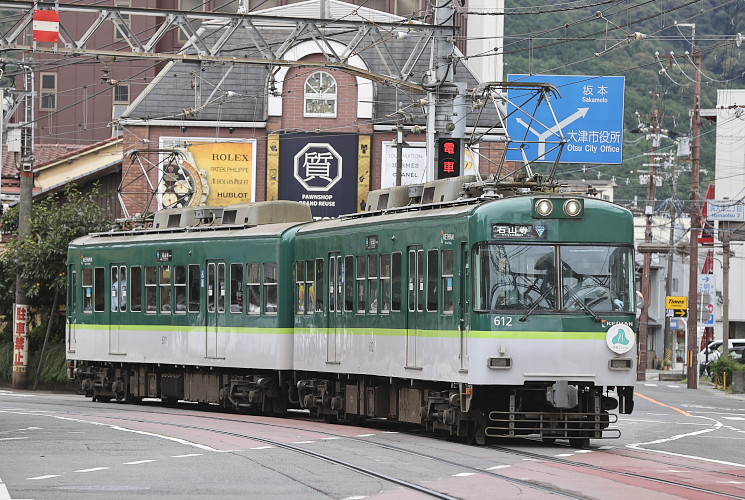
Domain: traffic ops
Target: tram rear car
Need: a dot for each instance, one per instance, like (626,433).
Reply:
(181,311)
(507,318)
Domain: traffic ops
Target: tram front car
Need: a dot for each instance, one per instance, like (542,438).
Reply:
(553,315)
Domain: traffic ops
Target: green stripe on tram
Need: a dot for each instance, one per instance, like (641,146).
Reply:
(380,332)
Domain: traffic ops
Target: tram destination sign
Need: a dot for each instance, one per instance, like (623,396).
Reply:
(519,231)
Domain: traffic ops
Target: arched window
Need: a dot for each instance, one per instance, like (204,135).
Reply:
(320,95)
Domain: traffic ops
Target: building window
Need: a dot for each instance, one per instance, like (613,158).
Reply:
(48,92)
(407,8)
(194,6)
(125,17)
(320,95)
(121,93)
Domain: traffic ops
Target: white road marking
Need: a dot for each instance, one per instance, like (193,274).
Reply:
(187,455)
(565,455)
(733,418)
(651,385)
(4,495)
(124,429)
(94,469)
(13,438)
(262,448)
(11,393)
(731,482)
(675,386)
(498,467)
(464,474)
(716,426)
(354,498)
(139,462)
(583,451)
(330,438)
(303,442)
(364,435)
(42,477)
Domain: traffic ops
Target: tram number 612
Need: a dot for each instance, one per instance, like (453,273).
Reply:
(502,321)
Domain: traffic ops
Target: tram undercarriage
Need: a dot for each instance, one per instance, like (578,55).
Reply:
(559,410)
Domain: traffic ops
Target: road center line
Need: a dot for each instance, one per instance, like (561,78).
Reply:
(682,412)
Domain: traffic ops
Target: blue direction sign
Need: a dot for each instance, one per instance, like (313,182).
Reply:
(589,114)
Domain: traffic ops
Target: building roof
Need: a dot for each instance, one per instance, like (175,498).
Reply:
(47,156)
(237,93)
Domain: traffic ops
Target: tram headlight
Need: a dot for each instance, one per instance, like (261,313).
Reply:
(572,208)
(544,207)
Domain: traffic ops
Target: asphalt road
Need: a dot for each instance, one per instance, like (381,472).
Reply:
(679,443)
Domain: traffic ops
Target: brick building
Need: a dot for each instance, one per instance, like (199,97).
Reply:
(217,134)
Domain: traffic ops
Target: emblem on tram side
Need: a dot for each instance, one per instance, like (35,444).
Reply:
(620,338)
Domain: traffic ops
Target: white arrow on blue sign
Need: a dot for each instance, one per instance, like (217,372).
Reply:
(589,115)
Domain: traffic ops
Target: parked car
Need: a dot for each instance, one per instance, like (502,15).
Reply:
(717,346)
(738,353)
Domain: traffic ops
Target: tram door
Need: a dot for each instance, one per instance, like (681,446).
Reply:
(215,289)
(415,306)
(336,306)
(464,325)
(72,309)
(118,306)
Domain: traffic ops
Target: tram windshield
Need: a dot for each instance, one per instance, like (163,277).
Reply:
(592,278)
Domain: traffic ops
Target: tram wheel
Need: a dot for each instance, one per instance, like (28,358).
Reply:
(476,434)
(582,443)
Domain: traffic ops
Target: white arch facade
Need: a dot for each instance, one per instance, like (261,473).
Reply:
(365,89)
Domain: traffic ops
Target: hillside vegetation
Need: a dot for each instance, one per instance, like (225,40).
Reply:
(565,42)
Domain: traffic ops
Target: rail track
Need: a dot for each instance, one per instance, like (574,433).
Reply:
(214,417)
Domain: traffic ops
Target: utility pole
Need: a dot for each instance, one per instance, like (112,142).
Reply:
(725,292)
(668,340)
(646,271)
(447,111)
(692,354)
(25,166)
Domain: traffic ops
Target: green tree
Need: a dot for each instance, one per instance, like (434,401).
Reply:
(40,258)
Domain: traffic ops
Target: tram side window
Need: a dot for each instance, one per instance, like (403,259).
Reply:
(119,288)
(432,279)
(87,290)
(310,288)
(270,287)
(195,286)
(236,288)
(372,282)
(419,280)
(319,285)
(165,289)
(221,290)
(179,288)
(396,273)
(385,283)
(99,289)
(348,273)
(135,288)
(334,281)
(253,281)
(360,280)
(151,289)
(299,287)
(447,281)
(73,290)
